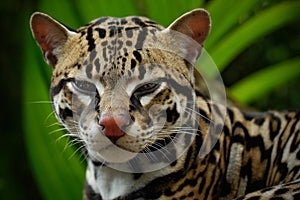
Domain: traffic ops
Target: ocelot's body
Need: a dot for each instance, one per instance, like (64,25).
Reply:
(125,88)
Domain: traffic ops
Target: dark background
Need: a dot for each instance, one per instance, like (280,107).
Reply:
(16,180)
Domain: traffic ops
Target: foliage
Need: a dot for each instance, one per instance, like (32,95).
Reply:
(58,170)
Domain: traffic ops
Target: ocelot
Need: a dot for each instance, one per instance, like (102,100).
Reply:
(125,88)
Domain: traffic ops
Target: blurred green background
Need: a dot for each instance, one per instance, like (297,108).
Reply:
(256,45)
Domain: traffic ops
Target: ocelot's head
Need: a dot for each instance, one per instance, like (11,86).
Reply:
(124,86)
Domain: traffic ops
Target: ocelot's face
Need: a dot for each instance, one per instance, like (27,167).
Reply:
(124,86)
(135,105)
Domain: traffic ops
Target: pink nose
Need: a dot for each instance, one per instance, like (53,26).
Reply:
(112,126)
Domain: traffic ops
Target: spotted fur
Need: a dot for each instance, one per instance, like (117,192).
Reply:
(125,87)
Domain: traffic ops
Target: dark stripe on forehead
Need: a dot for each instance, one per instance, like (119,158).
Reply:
(90,39)
(141,38)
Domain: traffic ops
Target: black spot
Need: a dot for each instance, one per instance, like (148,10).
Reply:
(173,163)
(97,163)
(129,32)
(138,56)
(123,21)
(101,32)
(128,43)
(111,32)
(133,63)
(82,33)
(97,64)
(88,70)
(191,194)
(142,72)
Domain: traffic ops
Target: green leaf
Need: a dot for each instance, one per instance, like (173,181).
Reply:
(226,16)
(258,84)
(258,26)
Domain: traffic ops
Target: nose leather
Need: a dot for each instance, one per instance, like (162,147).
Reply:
(112,125)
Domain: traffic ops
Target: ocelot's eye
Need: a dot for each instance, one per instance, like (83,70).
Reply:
(84,86)
(146,89)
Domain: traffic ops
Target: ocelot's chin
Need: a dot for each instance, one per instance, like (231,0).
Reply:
(113,154)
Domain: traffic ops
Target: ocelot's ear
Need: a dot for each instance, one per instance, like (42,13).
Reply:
(195,24)
(50,36)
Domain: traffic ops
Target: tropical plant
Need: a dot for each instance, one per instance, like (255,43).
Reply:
(57,167)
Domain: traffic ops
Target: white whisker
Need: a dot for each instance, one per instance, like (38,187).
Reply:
(199,114)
